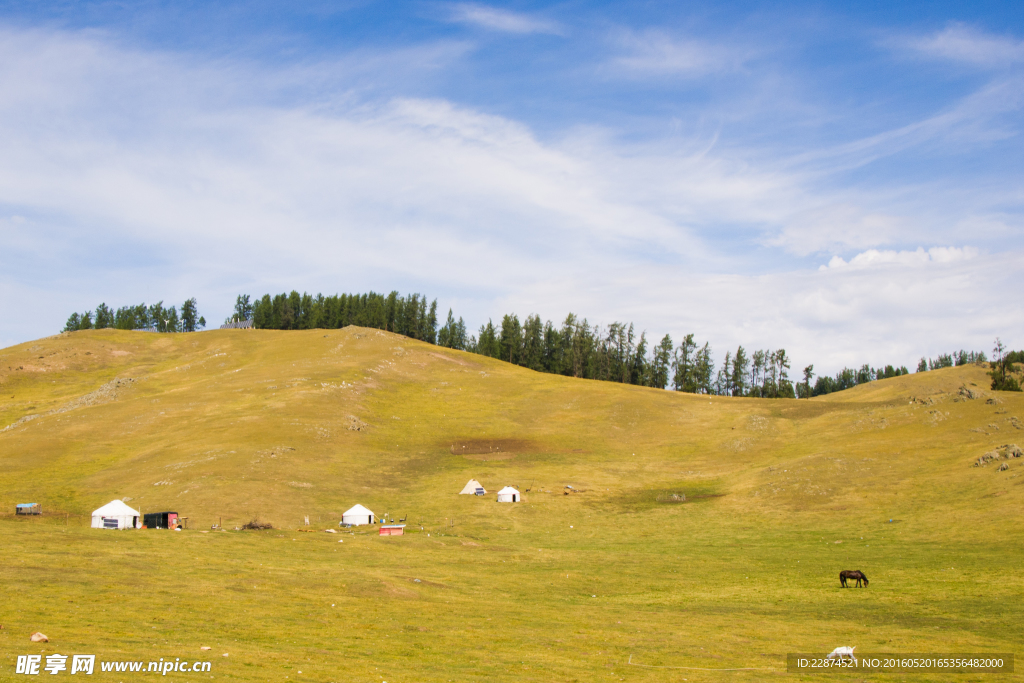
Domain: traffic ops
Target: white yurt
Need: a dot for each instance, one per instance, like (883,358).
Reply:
(508,495)
(357,516)
(115,515)
(473,488)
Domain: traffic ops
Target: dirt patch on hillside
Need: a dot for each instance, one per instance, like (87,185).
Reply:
(639,500)
(484,457)
(808,410)
(443,357)
(111,391)
(490,449)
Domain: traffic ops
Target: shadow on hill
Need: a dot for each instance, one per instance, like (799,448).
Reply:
(642,500)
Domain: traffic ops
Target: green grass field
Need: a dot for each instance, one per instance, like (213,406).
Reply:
(228,426)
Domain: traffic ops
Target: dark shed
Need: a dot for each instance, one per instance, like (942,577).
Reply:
(160,520)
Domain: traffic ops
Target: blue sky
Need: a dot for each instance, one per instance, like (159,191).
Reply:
(843,181)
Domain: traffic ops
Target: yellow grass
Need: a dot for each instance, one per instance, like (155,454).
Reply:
(234,425)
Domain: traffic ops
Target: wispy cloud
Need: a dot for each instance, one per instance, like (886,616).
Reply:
(506,21)
(657,53)
(973,120)
(832,317)
(141,176)
(965,44)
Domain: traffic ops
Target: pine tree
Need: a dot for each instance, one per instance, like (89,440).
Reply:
(806,385)
(172,324)
(243,309)
(460,342)
(740,363)
(784,388)
(683,377)
(704,368)
(157,316)
(446,335)
(430,323)
(189,313)
(533,343)
(510,344)
(104,317)
(661,363)
(639,372)
(1001,367)
(723,382)
(487,342)
(757,374)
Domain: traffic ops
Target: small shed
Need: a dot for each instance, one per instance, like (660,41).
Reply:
(392,530)
(473,488)
(28,509)
(508,495)
(160,520)
(115,515)
(357,516)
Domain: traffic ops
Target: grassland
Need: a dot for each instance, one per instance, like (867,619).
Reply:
(226,426)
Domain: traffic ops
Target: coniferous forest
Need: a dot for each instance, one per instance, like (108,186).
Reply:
(575,348)
(408,315)
(153,318)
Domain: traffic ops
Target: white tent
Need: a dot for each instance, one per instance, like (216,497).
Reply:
(508,495)
(472,487)
(357,515)
(115,515)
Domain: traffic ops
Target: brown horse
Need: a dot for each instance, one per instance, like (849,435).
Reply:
(852,575)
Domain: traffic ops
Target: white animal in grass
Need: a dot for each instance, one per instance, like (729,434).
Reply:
(843,653)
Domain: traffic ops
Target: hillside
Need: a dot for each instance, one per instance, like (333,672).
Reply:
(680,498)
(281,424)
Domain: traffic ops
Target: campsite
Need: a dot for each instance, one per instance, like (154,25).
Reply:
(702,532)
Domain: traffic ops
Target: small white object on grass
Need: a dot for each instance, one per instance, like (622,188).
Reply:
(843,653)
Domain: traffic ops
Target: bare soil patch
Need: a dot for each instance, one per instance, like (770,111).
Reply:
(489,447)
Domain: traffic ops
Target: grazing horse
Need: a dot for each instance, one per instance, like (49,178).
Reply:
(852,575)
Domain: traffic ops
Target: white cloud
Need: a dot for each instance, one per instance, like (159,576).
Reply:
(838,226)
(495,19)
(832,318)
(656,53)
(964,44)
(140,176)
(875,258)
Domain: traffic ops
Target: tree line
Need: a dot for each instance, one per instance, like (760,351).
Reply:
(576,348)
(153,318)
(617,353)
(409,315)
(948,360)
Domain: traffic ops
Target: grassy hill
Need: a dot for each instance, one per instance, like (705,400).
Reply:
(704,531)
